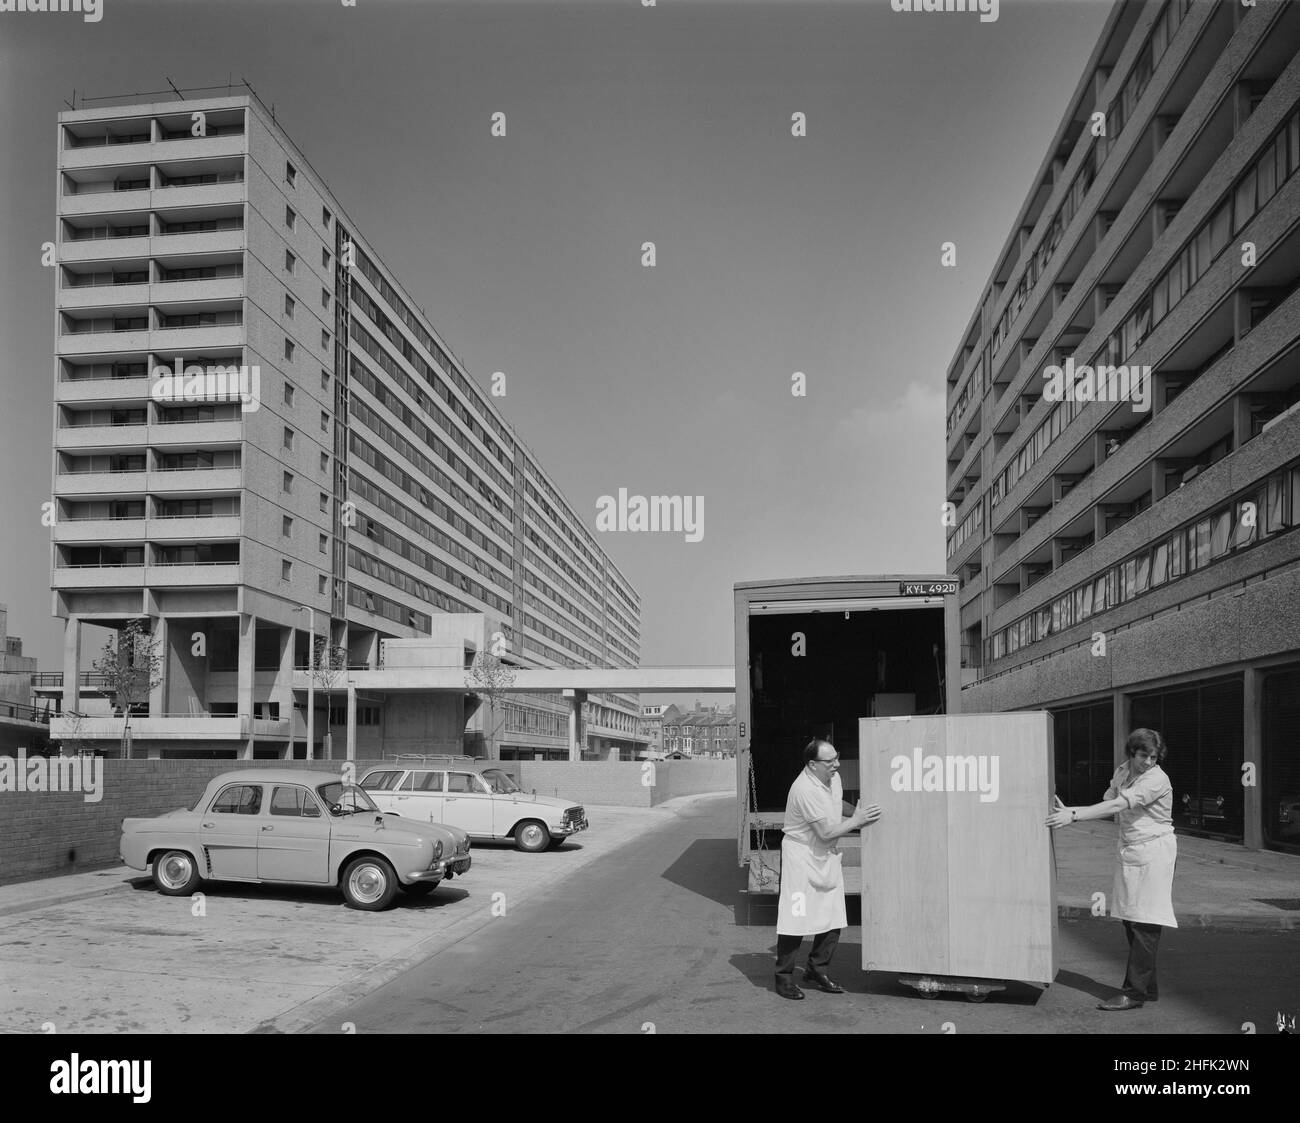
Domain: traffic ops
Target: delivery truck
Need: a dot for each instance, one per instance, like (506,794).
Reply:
(814,656)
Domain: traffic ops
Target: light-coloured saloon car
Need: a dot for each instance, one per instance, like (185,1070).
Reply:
(298,828)
(479,799)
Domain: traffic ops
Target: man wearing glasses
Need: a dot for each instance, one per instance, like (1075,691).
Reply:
(812,882)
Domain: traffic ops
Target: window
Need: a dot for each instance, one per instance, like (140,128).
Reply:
(288,349)
(288,393)
(324,339)
(324,501)
(288,438)
(287,482)
(325,380)
(381,781)
(290,217)
(464,782)
(286,570)
(325,217)
(290,175)
(1220,532)
(324,461)
(290,261)
(286,526)
(324,298)
(1160,565)
(238,799)
(428,781)
(324,421)
(324,259)
(289,305)
(320,584)
(296,802)
(324,544)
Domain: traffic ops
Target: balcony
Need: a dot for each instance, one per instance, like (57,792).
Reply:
(213,288)
(97,577)
(193,528)
(100,437)
(199,241)
(102,390)
(188,434)
(199,194)
(102,342)
(101,202)
(193,576)
(148,152)
(102,296)
(170,341)
(102,249)
(166,727)
(99,530)
(194,481)
(112,484)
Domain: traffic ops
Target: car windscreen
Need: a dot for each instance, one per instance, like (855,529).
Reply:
(498,782)
(348,796)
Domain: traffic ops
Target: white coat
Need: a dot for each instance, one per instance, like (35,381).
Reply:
(1147,850)
(812,879)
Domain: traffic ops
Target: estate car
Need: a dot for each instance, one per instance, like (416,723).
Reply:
(478,798)
(297,828)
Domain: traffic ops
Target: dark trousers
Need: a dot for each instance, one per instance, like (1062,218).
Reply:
(787,947)
(1140,976)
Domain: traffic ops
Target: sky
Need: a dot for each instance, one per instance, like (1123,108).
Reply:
(625,124)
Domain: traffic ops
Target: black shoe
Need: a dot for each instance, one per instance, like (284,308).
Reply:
(1123,1002)
(817,979)
(788,990)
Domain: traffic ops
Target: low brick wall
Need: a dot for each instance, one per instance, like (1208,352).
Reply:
(47,833)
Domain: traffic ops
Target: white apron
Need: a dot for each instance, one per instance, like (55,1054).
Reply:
(1144,881)
(812,889)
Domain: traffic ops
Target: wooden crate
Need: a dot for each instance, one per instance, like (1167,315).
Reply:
(954,882)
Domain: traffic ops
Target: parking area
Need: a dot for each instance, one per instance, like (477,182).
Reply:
(106,953)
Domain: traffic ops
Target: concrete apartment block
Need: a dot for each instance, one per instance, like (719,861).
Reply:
(1125,566)
(363,487)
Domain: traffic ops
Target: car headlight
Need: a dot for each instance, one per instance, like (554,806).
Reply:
(437,850)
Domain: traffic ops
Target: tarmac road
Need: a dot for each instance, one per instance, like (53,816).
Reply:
(657,937)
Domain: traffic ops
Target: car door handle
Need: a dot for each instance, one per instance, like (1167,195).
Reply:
(268,828)
(209,825)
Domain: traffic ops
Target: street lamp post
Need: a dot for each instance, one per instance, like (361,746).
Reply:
(311,679)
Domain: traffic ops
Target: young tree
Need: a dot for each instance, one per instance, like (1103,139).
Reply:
(490,678)
(327,663)
(131,667)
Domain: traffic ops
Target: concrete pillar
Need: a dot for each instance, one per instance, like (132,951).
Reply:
(71,665)
(577,725)
(1252,744)
(284,685)
(247,656)
(352,721)
(1123,717)
(158,695)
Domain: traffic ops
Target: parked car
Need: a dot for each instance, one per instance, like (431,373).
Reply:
(480,799)
(296,828)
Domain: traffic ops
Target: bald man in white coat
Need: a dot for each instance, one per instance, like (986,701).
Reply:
(812,880)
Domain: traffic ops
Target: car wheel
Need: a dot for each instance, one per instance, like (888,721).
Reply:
(369,884)
(420,888)
(175,873)
(532,836)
